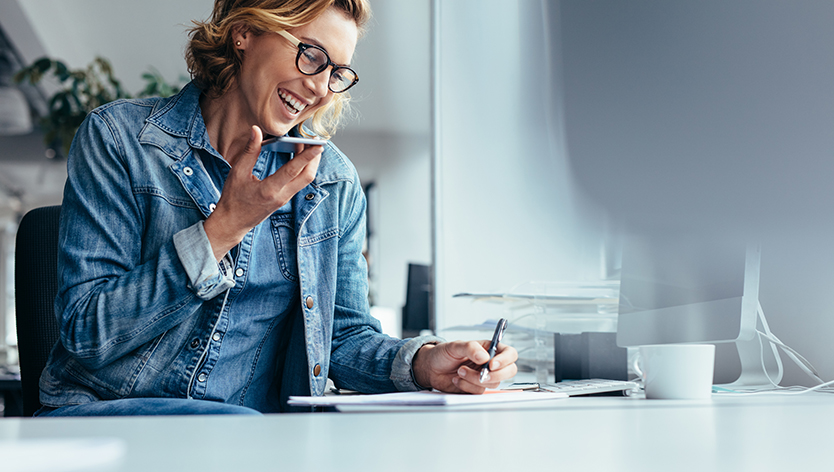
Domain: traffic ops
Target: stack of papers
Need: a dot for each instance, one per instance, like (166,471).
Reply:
(425,398)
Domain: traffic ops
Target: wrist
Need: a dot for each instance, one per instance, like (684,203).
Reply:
(220,238)
(420,371)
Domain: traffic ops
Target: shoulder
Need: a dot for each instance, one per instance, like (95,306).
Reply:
(123,115)
(174,114)
(109,125)
(127,109)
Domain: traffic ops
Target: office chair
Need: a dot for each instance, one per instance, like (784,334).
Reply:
(36,284)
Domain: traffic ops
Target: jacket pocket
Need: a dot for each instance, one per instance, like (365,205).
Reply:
(283,232)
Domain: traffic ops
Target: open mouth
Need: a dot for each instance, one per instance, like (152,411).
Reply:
(294,106)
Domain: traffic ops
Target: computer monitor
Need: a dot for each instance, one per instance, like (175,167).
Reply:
(714,114)
(415,314)
(693,288)
(704,118)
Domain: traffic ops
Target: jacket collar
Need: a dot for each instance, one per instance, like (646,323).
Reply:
(176,127)
(173,119)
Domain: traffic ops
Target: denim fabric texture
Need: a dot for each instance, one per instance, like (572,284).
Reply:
(146,311)
(148,407)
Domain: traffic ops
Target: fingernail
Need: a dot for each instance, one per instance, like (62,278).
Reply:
(462,372)
(455,380)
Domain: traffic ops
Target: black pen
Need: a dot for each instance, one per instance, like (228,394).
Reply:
(496,338)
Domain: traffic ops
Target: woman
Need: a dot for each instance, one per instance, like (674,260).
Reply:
(200,274)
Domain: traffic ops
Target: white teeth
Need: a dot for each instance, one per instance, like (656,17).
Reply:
(294,104)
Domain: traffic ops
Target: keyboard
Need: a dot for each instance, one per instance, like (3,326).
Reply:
(590,386)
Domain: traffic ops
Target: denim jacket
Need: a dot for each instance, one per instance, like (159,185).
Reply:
(141,296)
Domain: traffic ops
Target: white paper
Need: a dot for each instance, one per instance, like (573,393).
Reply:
(425,398)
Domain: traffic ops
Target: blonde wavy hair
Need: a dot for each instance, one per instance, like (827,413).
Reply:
(214,62)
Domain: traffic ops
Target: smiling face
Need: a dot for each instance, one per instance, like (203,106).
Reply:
(274,94)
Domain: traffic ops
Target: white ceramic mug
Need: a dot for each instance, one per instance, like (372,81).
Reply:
(677,371)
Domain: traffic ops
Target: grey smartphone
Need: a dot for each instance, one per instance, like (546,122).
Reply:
(287,143)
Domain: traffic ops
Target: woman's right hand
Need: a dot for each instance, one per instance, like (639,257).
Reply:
(246,200)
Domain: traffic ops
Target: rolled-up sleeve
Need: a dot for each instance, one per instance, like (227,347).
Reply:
(401,372)
(207,277)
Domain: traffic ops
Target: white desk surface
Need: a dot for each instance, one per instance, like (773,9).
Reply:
(761,433)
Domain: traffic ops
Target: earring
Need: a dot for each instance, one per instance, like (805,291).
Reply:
(237,43)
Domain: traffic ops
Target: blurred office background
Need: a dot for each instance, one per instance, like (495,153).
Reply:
(513,207)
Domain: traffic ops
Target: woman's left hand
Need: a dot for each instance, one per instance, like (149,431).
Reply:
(455,367)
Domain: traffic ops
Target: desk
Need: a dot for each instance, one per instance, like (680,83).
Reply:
(617,434)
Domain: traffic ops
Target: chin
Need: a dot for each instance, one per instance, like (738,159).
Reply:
(279,130)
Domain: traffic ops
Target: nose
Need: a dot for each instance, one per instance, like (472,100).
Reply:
(319,83)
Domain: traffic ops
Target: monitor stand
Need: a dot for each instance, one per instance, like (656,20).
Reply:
(761,367)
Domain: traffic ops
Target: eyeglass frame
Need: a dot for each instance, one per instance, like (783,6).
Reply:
(303,46)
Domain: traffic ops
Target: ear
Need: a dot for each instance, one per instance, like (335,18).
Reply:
(240,33)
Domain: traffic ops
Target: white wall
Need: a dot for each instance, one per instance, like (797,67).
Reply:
(132,35)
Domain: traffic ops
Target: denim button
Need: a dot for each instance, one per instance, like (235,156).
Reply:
(212,207)
(239,272)
(317,370)
(309,302)
(195,344)
(187,171)
(216,336)
(201,377)
(310,196)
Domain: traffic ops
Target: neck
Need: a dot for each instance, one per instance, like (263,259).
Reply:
(226,126)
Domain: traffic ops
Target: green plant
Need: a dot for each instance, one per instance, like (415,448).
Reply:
(80,92)
(157,86)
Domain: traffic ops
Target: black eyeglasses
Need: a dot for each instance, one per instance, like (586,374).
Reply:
(312,60)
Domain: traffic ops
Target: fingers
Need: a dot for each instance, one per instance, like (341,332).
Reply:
(472,376)
(299,171)
(253,146)
(466,359)
(468,387)
(249,157)
(476,352)
(501,367)
(295,175)
(468,379)
(472,351)
(504,356)
(246,200)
